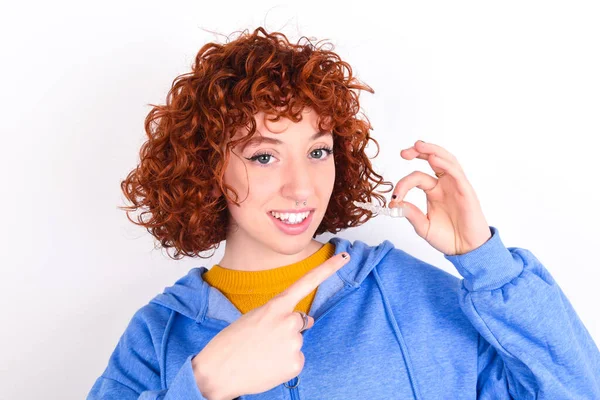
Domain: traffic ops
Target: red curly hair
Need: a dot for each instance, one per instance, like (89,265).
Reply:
(187,151)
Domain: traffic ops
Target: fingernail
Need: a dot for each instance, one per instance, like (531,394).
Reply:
(420,141)
(394,196)
(345,255)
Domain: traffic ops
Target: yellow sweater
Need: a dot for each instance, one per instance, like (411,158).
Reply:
(251,289)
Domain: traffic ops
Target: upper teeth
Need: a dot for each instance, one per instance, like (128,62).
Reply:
(291,217)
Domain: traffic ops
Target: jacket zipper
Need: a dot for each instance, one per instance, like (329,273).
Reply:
(292,385)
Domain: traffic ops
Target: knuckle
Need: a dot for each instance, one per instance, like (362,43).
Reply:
(273,305)
(292,321)
(298,342)
(298,363)
(283,296)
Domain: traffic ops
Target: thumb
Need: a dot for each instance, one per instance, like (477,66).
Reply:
(415,216)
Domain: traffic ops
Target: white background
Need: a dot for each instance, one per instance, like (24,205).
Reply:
(510,88)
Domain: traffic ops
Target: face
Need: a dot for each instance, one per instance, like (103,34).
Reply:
(271,176)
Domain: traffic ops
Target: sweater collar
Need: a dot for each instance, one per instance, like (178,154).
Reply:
(267,281)
(194,298)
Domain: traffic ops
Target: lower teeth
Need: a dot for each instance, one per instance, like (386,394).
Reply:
(292,223)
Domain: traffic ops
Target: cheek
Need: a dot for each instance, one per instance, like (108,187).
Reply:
(253,184)
(327,179)
(326,183)
(263,186)
(235,177)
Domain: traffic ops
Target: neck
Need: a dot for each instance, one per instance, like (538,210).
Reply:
(243,257)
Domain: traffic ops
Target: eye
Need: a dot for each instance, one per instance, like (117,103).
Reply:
(326,149)
(256,157)
(266,156)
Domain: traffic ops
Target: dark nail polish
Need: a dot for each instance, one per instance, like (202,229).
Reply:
(394,196)
(344,255)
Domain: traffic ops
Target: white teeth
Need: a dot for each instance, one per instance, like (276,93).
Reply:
(292,218)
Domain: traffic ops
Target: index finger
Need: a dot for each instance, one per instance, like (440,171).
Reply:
(290,297)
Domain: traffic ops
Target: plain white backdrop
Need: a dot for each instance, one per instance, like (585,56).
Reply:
(510,88)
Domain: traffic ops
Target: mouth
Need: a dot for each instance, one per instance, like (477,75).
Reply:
(294,226)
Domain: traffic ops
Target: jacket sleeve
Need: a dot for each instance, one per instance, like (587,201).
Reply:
(532,344)
(133,370)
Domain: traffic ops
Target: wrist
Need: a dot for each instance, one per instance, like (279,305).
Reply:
(206,384)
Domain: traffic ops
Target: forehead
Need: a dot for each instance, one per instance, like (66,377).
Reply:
(259,139)
(266,127)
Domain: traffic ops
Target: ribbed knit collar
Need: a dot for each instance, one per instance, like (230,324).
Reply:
(267,281)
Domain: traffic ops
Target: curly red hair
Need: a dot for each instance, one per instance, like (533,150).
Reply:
(188,144)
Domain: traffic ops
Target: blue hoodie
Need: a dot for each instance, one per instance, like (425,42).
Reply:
(387,326)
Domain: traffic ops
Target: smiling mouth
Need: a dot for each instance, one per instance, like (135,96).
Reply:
(287,221)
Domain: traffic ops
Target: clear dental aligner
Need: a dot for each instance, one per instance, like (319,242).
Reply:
(394,212)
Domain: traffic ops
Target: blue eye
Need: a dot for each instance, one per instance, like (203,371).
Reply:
(265,154)
(326,149)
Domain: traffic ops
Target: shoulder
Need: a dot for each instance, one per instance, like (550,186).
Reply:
(422,294)
(149,321)
(403,269)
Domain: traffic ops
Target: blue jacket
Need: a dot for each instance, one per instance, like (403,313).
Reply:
(387,326)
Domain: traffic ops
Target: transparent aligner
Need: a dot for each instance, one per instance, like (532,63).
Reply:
(394,212)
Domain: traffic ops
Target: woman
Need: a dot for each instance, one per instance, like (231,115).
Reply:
(260,146)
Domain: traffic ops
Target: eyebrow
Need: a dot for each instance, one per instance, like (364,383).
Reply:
(255,141)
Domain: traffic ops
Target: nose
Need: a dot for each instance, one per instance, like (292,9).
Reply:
(298,181)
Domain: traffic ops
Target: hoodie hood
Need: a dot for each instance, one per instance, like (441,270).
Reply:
(192,297)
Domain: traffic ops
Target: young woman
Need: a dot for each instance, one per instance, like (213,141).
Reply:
(260,146)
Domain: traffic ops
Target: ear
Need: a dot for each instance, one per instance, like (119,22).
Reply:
(216,191)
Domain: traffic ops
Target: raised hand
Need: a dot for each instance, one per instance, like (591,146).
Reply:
(454,223)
